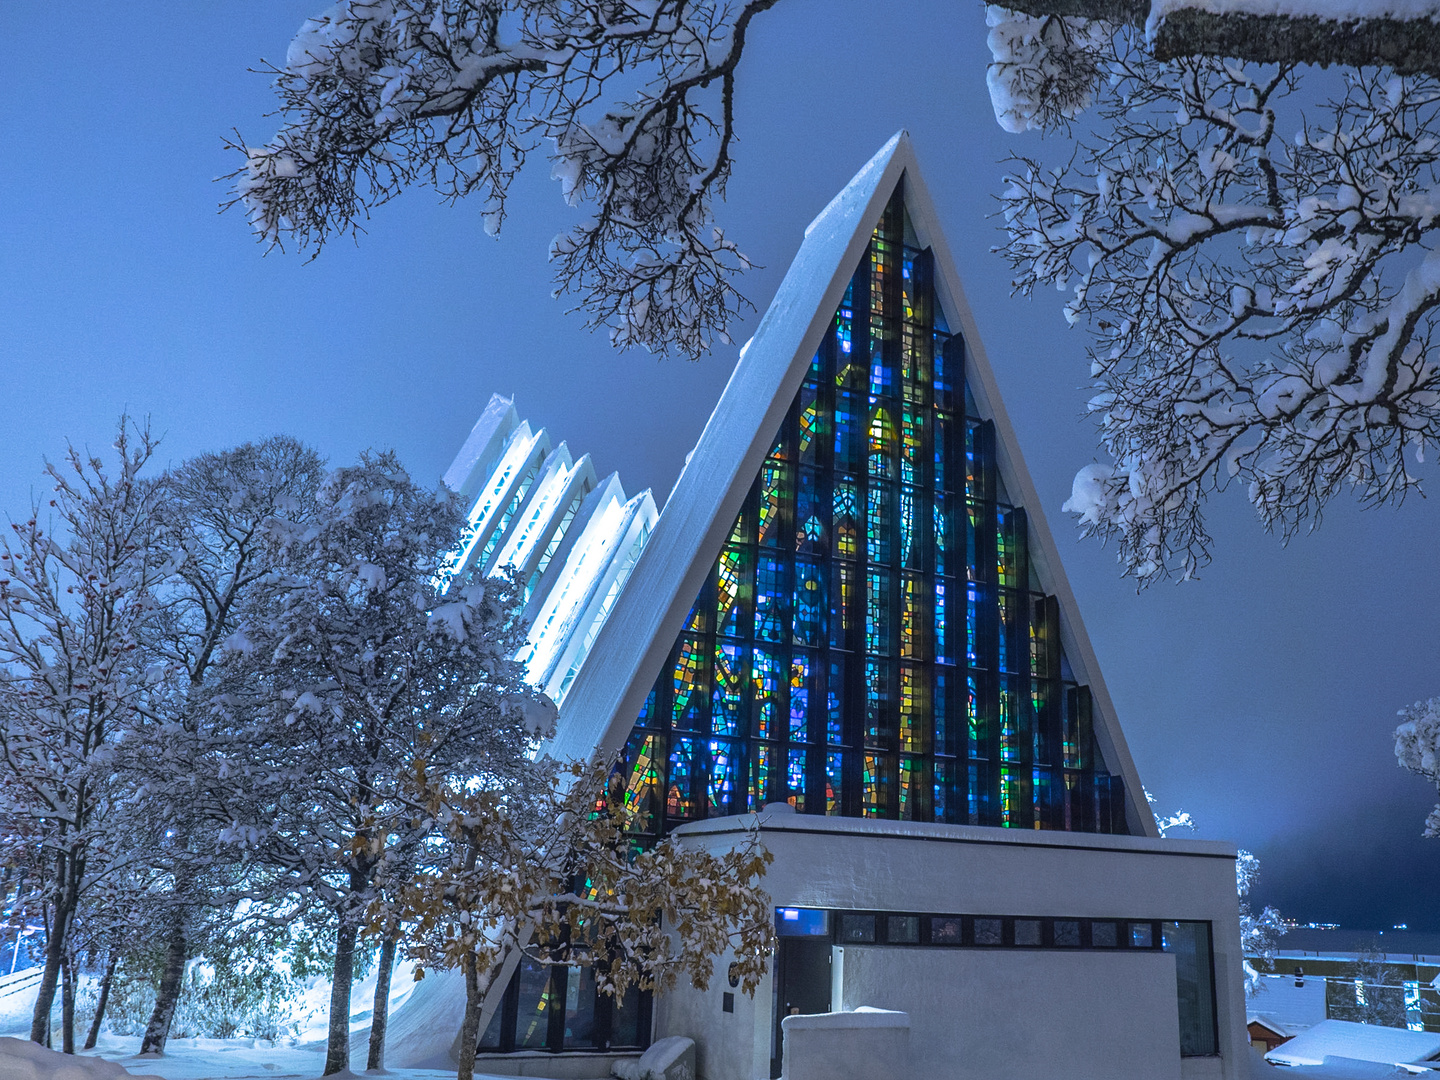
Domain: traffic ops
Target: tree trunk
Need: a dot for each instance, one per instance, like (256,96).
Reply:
(470,1029)
(172,981)
(380,1015)
(337,1050)
(67,1004)
(106,979)
(54,952)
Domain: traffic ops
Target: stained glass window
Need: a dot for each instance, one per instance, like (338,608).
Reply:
(869,641)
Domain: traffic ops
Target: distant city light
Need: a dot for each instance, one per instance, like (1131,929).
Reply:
(1292,924)
(1400,926)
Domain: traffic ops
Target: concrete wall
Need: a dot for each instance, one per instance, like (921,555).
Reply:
(1013,1014)
(858,864)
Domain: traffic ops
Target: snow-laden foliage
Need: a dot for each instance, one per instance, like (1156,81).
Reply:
(1259,285)
(558,879)
(1417,748)
(633,99)
(1045,69)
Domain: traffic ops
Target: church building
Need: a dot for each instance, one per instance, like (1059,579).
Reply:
(849,625)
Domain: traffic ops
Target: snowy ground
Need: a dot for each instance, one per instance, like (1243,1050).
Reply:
(247,1059)
(195,1059)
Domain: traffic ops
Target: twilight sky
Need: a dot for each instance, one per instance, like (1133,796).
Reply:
(1261,698)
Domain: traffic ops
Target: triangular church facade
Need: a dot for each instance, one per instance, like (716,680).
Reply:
(849,625)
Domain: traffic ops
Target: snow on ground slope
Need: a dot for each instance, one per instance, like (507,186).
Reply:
(22,1060)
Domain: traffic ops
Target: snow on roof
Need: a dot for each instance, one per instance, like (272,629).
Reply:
(1272,1023)
(1297,1007)
(1358,1042)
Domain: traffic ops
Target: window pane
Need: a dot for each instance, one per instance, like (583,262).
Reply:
(1141,935)
(1102,935)
(532,1021)
(802,922)
(1067,933)
(1027,931)
(580,1008)
(903,929)
(945,930)
(625,1020)
(987,932)
(1190,942)
(857,929)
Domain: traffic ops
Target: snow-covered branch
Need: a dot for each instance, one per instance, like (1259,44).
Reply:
(635,97)
(1260,287)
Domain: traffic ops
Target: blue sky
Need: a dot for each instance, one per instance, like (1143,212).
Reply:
(1261,698)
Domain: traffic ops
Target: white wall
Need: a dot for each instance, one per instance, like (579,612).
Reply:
(1014,1014)
(840,863)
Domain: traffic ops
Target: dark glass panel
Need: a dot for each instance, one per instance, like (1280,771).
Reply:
(850,431)
(812,513)
(812,425)
(988,932)
(804,683)
(946,930)
(810,606)
(1194,979)
(625,1026)
(766,681)
(1141,935)
(733,587)
(1067,933)
(880,523)
(680,800)
(1103,935)
(835,702)
(772,615)
(857,929)
(876,781)
(1027,932)
(727,698)
(580,1008)
(690,685)
(537,1001)
(723,783)
(765,761)
(902,929)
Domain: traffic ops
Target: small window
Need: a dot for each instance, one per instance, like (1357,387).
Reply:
(857,929)
(1067,933)
(1102,935)
(1141,936)
(902,929)
(987,932)
(945,930)
(802,922)
(1027,931)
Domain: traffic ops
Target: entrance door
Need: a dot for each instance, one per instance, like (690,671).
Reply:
(802,982)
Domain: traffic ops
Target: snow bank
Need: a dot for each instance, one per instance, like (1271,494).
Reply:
(24,1060)
(423,1028)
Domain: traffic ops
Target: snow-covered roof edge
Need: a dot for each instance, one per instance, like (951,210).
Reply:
(602,705)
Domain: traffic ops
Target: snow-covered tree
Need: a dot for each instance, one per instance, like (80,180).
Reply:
(349,669)
(216,512)
(1417,748)
(77,603)
(557,878)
